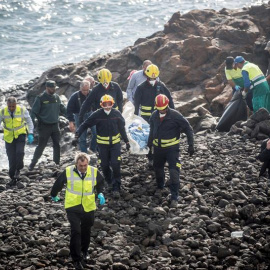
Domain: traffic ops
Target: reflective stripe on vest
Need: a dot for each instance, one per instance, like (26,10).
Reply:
(145,110)
(13,126)
(255,74)
(166,142)
(81,191)
(109,140)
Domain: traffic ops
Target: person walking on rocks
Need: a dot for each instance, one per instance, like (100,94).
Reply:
(73,108)
(105,87)
(17,124)
(46,108)
(136,79)
(110,126)
(81,181)
(254,81)
(144,99)
(166,124)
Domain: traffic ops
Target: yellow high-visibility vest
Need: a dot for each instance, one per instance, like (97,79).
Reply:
(13,127)
(80,191)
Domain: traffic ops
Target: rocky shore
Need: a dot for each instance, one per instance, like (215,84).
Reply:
(220,194)
(223,217)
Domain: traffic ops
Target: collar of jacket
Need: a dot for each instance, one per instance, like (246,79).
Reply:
(167,116)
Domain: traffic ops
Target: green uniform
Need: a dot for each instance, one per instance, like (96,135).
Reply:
(259,87)
(47,109)
(235,76)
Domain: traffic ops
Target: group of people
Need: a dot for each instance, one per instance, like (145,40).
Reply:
(99,106)
(248,78)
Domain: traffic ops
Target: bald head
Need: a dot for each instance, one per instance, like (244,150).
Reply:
(145,64)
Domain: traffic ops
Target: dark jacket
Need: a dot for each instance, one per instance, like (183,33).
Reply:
(62,180)
(107,125)
(145,96)
(74,105)
(173,124)
(47,108)
(93,99)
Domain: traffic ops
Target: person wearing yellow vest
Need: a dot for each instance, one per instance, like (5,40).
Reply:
(235,79)
(17,123)
(255,81)
(81,180)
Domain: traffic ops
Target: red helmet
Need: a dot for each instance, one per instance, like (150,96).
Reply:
(161,102)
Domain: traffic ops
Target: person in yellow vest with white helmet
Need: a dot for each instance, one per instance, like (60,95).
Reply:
(17,123)
(81,181)
(255,81)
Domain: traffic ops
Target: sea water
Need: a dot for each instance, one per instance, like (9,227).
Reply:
(38,34)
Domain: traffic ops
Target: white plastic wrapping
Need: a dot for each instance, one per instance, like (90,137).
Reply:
(130,117)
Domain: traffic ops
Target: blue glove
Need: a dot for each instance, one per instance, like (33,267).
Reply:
(237,88)
(55,199)
(101,198)
(30,138)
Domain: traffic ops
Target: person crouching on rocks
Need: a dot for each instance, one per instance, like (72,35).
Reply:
(81,180)
(110,126)
(166,125)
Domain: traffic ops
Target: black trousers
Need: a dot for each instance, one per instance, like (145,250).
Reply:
(15,153)
(171,155)
(110,161)
(80,223)
(45,131)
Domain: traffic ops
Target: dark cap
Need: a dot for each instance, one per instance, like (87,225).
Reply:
(51,84)
(239,59)
(229,62)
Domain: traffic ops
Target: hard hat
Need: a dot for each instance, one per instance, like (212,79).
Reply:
(152,71)
(104,76)
(106,99)
(161,102)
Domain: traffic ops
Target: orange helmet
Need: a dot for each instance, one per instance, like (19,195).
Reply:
(106,101)
(161,102)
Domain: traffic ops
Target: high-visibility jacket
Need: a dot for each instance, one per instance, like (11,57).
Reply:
(144,98)
(166,133)
(255,74)
(110,128)
(13,126)
(235,75)
(80,191)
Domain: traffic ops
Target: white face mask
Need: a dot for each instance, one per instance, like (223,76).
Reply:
(162,115)
(152,82)
(105,85)
(107,112)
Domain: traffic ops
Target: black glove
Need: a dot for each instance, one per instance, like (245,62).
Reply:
(190,150)
(127,146)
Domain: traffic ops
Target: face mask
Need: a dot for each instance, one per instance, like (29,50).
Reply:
(152,82)
(162,115)
(107,112)
(105,85)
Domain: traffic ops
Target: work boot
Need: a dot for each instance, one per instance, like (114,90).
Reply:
(12,182)
(85,258)
(17,174)
(77,265)
(31,167)
(174,204)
